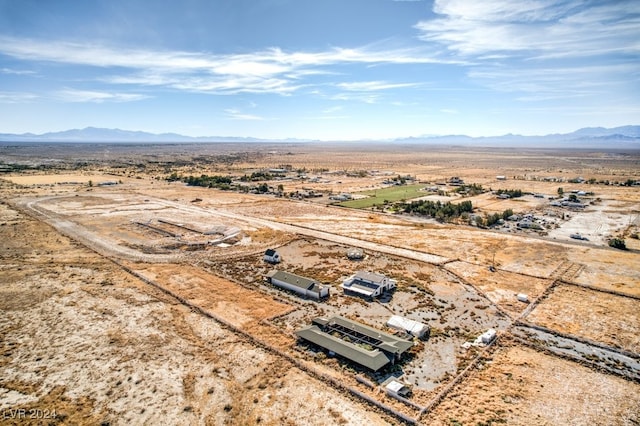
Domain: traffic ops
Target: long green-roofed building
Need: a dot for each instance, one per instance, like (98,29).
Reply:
(356,342)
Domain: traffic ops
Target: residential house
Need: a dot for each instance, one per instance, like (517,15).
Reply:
(367,284)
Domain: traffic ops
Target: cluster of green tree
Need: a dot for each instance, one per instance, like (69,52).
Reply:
(470,189)
(11,167)
(262,188)
(258,176)
(618,243)
(358,173)
(400,179)
(512,193)
(220,182)
(440,211)
(492,219)
(594,181)
(173,177)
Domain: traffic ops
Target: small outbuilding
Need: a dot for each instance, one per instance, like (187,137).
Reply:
(355,253)
(414,328)
(272,256)
(396,389)
(488,336)
(523,297)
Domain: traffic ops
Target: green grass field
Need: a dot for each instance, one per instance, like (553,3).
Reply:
(391,194)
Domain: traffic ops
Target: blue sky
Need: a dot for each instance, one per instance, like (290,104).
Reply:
(321,69)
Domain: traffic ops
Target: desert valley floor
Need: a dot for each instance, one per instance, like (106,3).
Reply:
(132,297)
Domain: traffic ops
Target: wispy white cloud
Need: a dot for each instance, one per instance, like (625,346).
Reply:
(235,114)
(73,95)
(556,82)
(330,113)
(327,117)
(404,104)
(17,72)
(333,109)
(368,98)
(17,97)
(267,71)
(366,91)
(547,48)
(367,86)
(570,28)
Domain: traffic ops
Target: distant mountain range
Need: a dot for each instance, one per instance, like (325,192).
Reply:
(95,134)
(589,137)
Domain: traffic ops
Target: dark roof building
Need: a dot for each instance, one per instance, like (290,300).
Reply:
(356,342)
(304,286)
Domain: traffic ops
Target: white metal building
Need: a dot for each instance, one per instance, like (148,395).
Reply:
(415,328)
(396,389)
(488,336)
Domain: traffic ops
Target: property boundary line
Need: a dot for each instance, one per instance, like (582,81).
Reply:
(584,340)
(298,363)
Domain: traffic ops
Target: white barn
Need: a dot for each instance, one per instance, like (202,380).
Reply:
(367,284)
(414,328)
(305,287)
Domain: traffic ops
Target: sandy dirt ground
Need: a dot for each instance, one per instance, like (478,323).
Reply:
(65,179)
(501,287)
(520,386)
(107,321)
(93,344)
(603,317)
(608,269)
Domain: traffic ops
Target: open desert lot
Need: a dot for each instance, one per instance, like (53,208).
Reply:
(94,344)
(520,386)
(607,318)
(131,294)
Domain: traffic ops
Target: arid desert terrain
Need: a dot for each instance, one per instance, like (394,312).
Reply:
(133,283)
